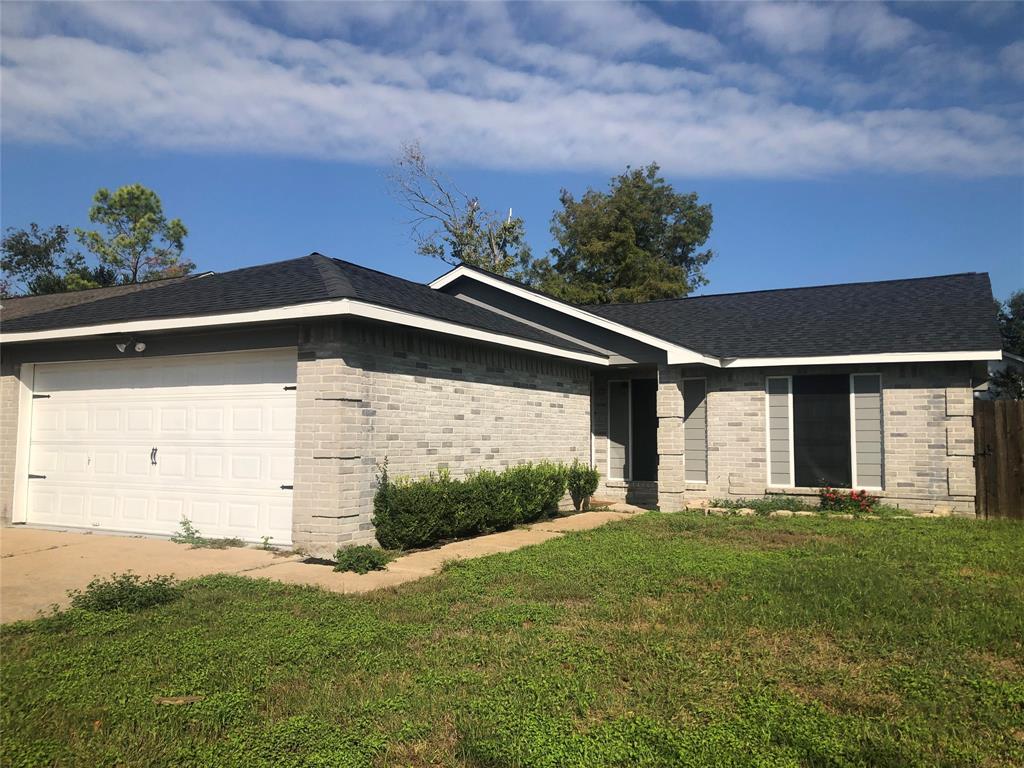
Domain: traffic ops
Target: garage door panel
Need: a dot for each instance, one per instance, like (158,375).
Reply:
(172,464)
(223,426)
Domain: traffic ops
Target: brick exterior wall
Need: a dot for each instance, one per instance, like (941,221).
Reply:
(928,436)
(8,442)
(424,402)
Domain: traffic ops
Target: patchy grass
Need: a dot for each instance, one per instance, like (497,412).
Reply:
(666,640)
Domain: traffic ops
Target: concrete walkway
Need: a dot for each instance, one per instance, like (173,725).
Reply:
(38,567)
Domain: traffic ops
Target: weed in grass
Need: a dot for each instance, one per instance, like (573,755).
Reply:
(765,505)
(125,592)
(363,558)
(189,534)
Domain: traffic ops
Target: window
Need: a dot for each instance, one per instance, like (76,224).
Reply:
(825,430)
(695,433)
(821,431)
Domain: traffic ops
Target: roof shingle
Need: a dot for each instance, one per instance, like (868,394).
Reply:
(928,314)
(279,284)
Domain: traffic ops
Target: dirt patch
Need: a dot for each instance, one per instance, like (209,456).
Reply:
(1001,667)
(813,668)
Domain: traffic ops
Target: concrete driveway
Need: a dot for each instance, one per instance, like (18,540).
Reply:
(38,567)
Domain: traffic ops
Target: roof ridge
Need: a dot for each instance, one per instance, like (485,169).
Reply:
(337,285)
(371,269)
(783,290)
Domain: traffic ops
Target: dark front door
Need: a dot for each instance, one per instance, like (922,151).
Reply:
(821,431)
(645,429)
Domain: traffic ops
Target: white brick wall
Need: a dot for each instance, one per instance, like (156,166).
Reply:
(8,442)
(927,431)
(366,392)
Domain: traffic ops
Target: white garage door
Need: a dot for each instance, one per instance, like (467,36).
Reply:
(137,445)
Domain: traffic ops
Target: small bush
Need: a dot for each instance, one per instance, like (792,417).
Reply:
(582,481)
(125,592)
(362,559)
(839,501)
(417,513)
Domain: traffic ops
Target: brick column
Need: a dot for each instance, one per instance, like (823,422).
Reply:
(960,473)
(334,471)
(8,442)
(671,461)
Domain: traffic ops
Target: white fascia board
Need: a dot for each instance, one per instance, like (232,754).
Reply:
(885,357)
(676,354)
(398,317)
(332,308)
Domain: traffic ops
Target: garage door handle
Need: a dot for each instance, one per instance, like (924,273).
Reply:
(286,487)
(36,477)
(152,457)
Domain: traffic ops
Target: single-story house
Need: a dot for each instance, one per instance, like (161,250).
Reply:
(259,402)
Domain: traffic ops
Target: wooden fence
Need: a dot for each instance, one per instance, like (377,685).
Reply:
(999,457)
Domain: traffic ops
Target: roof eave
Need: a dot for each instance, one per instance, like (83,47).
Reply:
(310,310)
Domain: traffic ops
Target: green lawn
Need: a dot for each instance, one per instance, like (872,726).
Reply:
(661,641)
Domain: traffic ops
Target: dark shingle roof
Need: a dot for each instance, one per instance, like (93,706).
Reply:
(284,283)
(22,306)
(928,314)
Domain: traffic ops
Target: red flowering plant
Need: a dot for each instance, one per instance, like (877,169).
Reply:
(854,501)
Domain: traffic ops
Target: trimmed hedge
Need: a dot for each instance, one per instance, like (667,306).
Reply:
(417,513)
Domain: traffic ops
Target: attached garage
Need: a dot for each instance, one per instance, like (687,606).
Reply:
(138,444)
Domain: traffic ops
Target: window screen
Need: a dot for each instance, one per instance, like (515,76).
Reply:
(821,431)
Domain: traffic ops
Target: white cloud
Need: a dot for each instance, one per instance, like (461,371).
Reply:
(789,27)
(803,27)
(1012,59)
(480,85)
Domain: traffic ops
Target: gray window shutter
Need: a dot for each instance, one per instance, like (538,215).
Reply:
(695,430)
(867,426)
(779,419)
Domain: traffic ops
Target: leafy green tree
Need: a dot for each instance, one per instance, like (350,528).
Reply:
(1011,322)
(140,243)
(638,241)
(37,260)
(1009,383)
(452,226)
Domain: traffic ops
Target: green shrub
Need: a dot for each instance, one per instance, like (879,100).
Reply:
(362,559)
(842,501)
(582,481)
(125,592)
(417,513)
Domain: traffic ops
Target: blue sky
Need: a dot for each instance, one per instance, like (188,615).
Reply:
(836,142)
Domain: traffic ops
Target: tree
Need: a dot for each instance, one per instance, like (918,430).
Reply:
(140,243)
(1011,322)
(639,241)
(1009,383)
(37,260)
(452,226)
